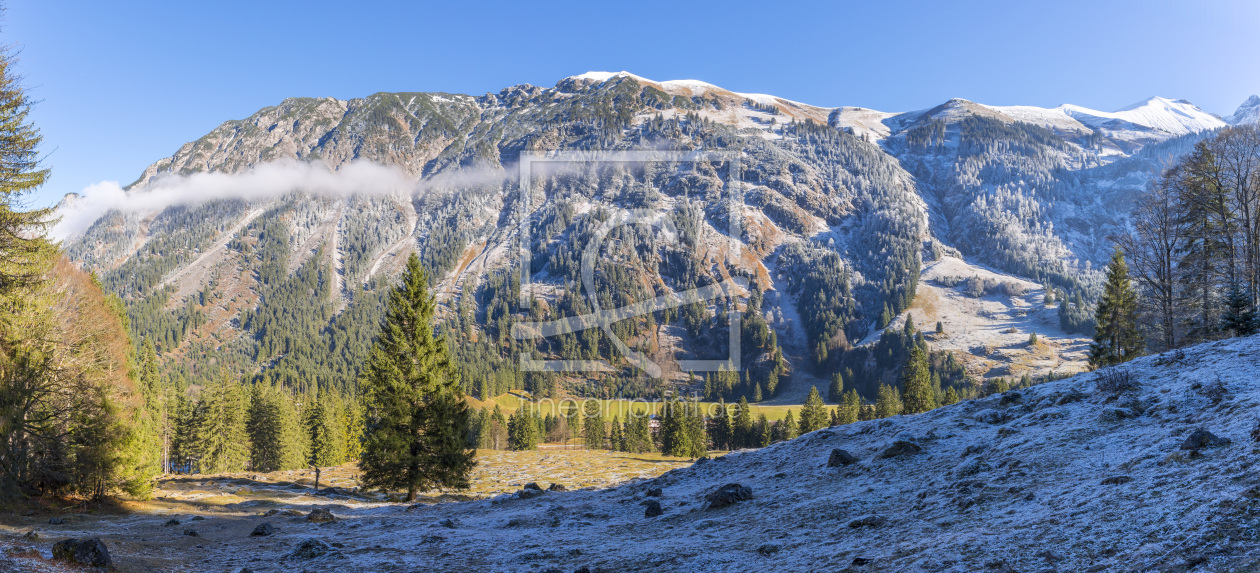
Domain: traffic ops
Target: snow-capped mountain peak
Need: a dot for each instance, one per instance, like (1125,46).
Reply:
(1248,112)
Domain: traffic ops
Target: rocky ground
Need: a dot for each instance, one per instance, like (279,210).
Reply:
(1146,467)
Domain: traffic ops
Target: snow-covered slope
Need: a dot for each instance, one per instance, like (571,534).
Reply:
(1072,475)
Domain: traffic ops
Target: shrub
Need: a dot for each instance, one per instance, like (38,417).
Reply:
(1115,380)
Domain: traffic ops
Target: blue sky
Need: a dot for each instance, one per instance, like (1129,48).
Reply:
(124,83)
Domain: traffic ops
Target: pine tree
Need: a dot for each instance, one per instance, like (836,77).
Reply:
(1239,316)
(638,433)
(720,428)
(835,393)
(593,432)
(417,420)
(266,442)
(324,426)
(813,413)
(887,402)
(523,431)
(851,409)
(742,426)
(790,429)
(352,421)
(616,436)
(764,431)
(222,442)
(1116,337)
(916,380)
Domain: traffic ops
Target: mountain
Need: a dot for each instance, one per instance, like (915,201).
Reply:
(1248,112)
(848,215)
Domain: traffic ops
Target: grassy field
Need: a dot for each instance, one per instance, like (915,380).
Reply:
(511,402)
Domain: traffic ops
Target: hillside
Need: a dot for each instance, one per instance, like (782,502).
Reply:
(1106,471)
(263,247)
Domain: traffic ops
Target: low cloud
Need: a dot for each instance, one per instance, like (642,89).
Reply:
(267,181)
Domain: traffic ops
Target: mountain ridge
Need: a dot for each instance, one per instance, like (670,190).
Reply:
(868,196)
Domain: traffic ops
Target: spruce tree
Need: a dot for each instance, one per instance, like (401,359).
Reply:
(764,431)
(790,429)
(742,427)
(851,409)
(222,441)
(951,396)
(325,429)
(615,435)
(593,431)
(813,413)
(266,443)
(1116,336)
(417,420)
(720,428)
(352,421)
(835,393)
(523,431)
(887,402)
(1239,316)
(916,380)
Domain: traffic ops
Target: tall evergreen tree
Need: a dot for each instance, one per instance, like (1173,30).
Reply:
(1116,336)
(720,429)
(523,429)
(887,402)
(742,431)
(1239,316)
(593,431)
(417,420)
(222,440)
(790,429)
(851,409)
(919,395)
(616,435)
(813,413)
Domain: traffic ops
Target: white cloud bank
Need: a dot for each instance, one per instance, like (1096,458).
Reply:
(267,181)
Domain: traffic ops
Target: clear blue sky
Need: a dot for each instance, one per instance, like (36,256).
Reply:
(125,83)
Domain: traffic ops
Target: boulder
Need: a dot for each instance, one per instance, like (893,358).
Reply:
(171,523)
(728,495)
(839,458)
(264,529)
(1201,438)
(557,487)
(310,549)
(1010,398)
(320,516)
(533,486)
(900,448)
(653,508)
(90,552)
(191,533)
(655,492)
